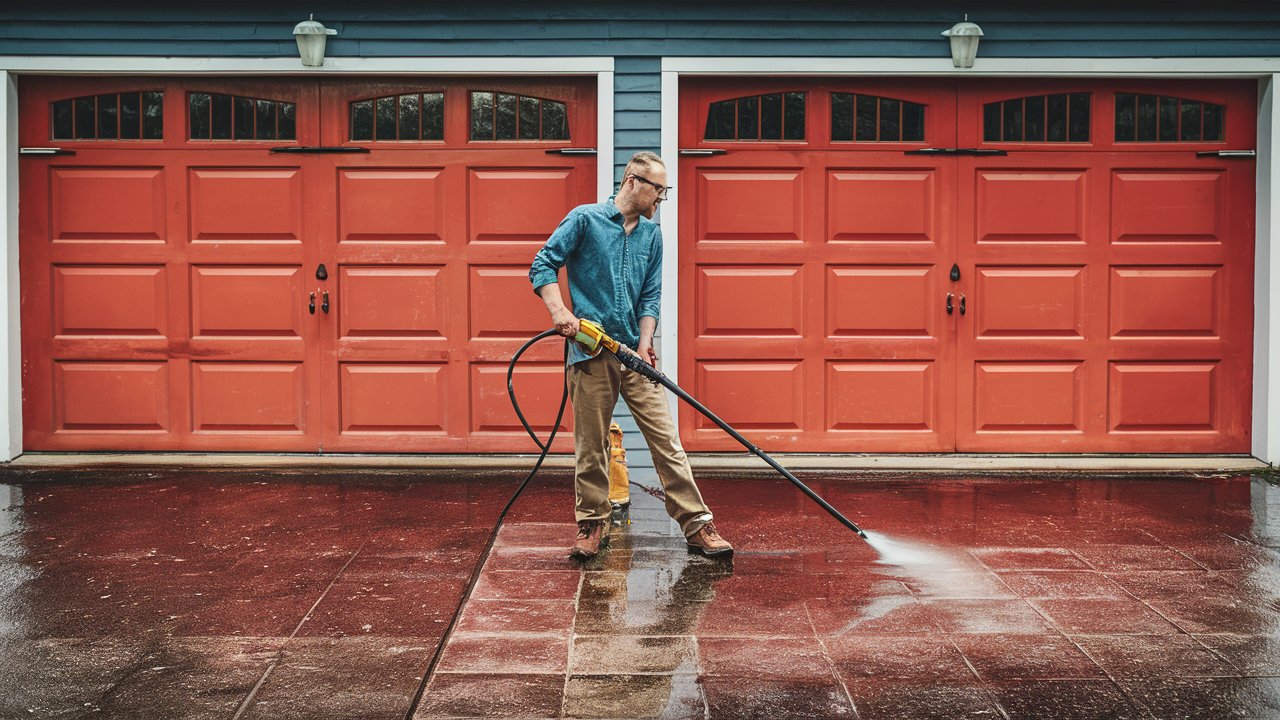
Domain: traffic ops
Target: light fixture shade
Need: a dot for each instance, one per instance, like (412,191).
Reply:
(964,38)
(311,37)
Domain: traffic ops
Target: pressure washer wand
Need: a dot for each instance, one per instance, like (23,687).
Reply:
(593,338)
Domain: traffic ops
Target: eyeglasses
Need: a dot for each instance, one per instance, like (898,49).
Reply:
(662,189)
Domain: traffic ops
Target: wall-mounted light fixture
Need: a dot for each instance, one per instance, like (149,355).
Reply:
(311,37)
(964,38)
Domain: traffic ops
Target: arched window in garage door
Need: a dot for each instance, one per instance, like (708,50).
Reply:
(219,116)
(773,116)
(1061,117)
(1158,118)
(412,116)
(868,118)
(110,116)
(508,116)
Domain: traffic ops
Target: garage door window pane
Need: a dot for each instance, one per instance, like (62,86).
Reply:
(512,117)
(433,116)
(1146,119)
(875,119)
(1167,129)
(505,117)
(243,118)
(772,117)
(555,120)
(265,120)
(912,122)
(1062,117)
(384,113)
(1156,118)
(749,118)
(130,115)
(362,120)
(1212,122)
(409,116)
(152,115)
(1055,118)
(841,116)
(220,117)
(108,116)
(198,115)
(722,121)
(793,116)
(530,118)
(1192,121)
(1078,117)
(409,123)
(214,116)
(1033,117)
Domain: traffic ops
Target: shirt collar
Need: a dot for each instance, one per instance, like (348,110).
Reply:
(614,212)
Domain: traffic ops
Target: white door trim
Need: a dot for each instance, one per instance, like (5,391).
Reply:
(13,66)
(1266,365)
(118,65)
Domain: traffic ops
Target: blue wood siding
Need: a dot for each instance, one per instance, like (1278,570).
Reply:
(819,29)
(637,87)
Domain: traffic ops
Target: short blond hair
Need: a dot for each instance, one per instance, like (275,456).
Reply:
(643,159)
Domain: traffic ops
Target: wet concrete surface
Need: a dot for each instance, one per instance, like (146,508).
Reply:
(214,596)
(218,597)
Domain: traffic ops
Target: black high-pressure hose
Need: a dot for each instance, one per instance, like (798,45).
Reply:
(497,525)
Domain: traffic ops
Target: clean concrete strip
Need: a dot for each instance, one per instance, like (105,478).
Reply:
(701,462)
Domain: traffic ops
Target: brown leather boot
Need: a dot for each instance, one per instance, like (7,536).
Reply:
(708,542)
(592,535)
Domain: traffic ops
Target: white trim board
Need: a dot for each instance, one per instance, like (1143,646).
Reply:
(982,67)
(1266,278)
(1265,416)
(12,66)
(99,65)
(10,298)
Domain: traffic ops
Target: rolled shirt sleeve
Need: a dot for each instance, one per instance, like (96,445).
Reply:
(547,263)
(651,289)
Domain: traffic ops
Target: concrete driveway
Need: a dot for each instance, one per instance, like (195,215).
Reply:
(229,595)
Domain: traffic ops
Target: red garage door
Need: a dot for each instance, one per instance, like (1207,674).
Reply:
(907,266)
(292,265)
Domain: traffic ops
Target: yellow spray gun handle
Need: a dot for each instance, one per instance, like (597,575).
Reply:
(592,337)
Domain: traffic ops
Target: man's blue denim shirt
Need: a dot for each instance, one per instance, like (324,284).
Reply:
(614,278)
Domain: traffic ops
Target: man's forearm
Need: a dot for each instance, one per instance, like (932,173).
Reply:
(648,325)
(550,295)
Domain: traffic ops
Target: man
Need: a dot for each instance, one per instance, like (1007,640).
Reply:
(614,258)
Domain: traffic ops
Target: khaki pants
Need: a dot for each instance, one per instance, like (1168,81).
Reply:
(593,389)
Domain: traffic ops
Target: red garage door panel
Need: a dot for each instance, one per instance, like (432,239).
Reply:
(111,397)
(987,266)
(107,205)
(191,286)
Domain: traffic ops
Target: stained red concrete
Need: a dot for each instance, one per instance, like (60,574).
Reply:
(1055,598)
(195,596)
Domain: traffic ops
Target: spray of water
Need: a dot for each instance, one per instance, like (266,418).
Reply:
(907,555)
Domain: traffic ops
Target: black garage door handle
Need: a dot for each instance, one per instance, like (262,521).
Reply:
(955,151)
(318,149)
